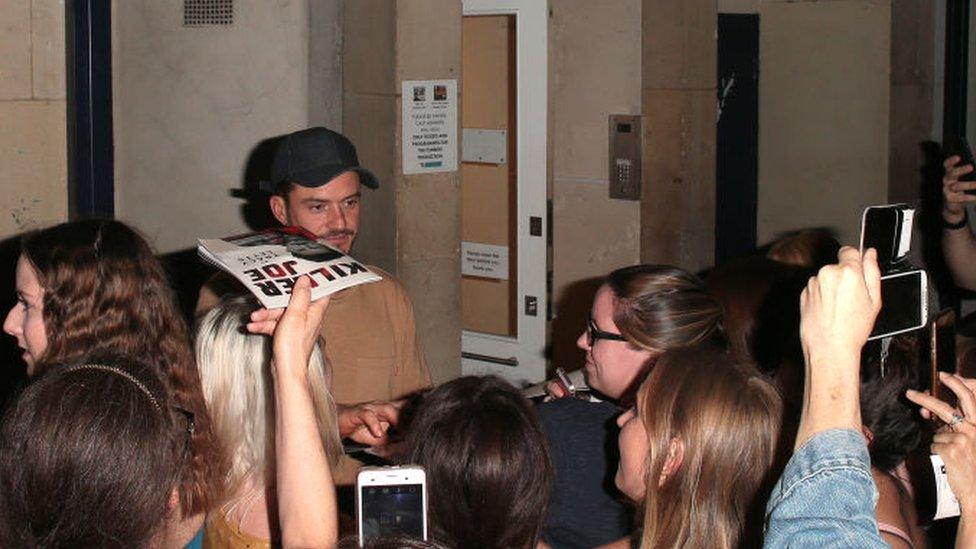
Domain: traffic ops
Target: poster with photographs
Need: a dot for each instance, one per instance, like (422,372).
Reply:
(430,116)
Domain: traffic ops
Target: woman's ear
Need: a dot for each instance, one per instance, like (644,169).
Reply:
(173,505)
(676,453)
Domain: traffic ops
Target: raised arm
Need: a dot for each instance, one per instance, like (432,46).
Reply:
(306,493)
(958,242)
(825,497)
(837,312)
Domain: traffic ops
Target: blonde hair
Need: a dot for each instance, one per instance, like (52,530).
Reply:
(235,371)
(727,418)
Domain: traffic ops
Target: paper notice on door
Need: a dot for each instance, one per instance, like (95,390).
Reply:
(484,260)
(430,137)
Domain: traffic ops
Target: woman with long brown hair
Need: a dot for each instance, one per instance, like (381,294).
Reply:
(638,313)
(94,287)
(697,451)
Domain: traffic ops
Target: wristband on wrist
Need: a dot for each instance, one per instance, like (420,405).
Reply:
(957,225)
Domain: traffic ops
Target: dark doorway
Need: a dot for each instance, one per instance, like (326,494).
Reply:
(89,78)
(737,146)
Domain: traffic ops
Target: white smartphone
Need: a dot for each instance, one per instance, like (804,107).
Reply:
(904,303)
(391,501)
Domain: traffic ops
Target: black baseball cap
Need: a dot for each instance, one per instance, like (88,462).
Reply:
(313,157)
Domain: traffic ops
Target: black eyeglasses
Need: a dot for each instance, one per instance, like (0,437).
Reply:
(593,333)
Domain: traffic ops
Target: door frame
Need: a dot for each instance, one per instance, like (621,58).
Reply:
(527,349)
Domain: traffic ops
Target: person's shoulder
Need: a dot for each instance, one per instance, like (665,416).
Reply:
(387,283)
(573,409)
(891,498)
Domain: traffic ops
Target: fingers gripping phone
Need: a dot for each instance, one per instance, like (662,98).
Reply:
(391,502)
(958,146)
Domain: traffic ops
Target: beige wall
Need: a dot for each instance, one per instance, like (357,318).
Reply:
(33,157)
(190,103)
(595,52)
(679,101)
(842,108)
(912,70)
(596,55)
(824,114)
(413,220)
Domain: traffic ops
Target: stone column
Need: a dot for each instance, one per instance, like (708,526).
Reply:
(412,225)
(678,66)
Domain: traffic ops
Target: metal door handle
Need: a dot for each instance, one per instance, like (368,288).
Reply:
(511,361)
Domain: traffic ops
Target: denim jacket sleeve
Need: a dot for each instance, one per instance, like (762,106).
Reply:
(826,496)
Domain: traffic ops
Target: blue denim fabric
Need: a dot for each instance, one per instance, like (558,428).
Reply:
(826,496)
(196,542)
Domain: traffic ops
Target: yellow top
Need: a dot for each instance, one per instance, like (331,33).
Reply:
(220,533)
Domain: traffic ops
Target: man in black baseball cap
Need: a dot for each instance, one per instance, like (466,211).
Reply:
(315,181)
(371,342)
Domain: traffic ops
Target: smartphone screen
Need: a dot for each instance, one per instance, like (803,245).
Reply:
(879,231)
(393,510)
(903,304)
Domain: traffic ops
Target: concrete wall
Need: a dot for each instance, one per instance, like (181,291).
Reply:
(596,57)
(912,90)
(413,221)
(33,158)
(190,104)
(679,101)
(370,116)
(824,114)
(595,53)
(835,123)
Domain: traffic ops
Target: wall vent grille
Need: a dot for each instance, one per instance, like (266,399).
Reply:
(198,13)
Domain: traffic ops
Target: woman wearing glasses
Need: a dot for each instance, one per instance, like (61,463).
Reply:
(94,288)
(638,313)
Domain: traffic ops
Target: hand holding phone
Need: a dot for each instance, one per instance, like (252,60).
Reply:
(957,444)
(959,181)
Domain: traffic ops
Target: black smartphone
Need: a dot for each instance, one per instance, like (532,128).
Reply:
(887,229)
(955,145)
(904,303)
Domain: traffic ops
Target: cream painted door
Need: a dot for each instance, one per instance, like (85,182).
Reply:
(503,188)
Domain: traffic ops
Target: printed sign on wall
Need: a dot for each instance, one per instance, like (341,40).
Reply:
(429,126)
(484,260)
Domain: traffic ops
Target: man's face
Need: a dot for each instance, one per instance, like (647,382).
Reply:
(329,211)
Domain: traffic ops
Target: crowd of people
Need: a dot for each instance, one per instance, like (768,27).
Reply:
(736,410)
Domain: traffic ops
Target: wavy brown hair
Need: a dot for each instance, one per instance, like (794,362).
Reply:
(727,418)
(105,293)
(659,307)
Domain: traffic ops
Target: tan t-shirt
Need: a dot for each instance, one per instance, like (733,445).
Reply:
(370,338)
